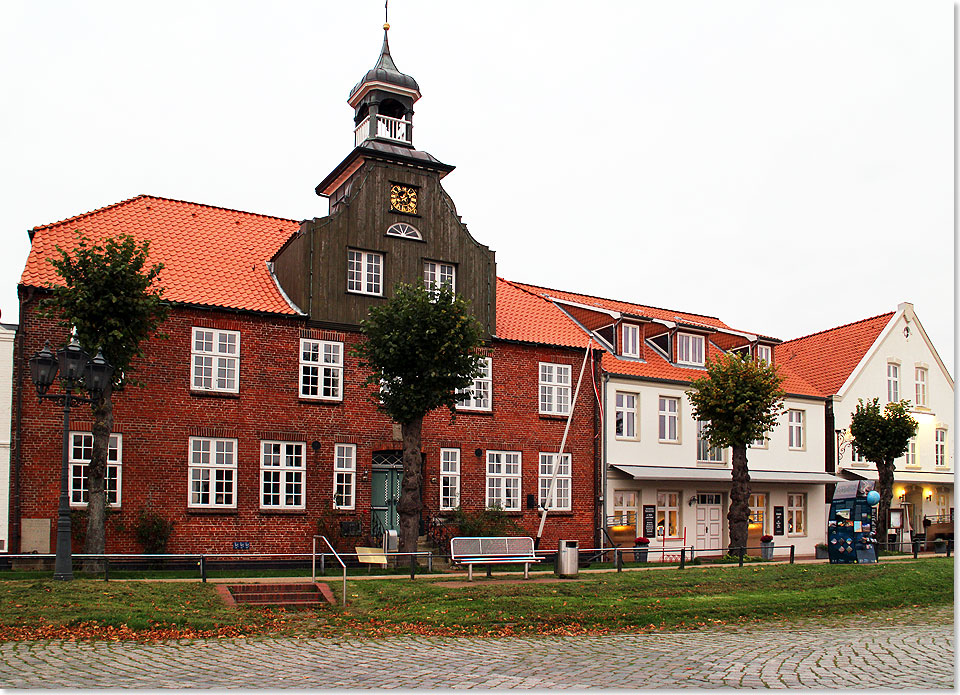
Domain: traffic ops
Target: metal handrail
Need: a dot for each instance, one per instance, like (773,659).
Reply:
(377,531)
(339,559)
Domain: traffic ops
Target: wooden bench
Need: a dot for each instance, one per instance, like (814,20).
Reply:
(472,551)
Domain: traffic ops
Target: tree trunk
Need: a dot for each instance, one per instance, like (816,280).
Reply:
(96,477)
(885,485)
(739,512)
(411,501)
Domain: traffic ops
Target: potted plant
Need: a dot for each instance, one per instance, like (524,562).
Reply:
(640,548)
(822,552)
(766,547)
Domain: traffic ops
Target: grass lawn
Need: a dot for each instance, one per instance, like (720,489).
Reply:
(592,604)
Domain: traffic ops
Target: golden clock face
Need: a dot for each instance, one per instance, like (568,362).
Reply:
(403,199)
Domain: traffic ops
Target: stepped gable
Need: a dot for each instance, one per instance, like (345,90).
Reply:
(827,358)
(212,256)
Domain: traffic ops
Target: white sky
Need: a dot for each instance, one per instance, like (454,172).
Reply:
(785,166)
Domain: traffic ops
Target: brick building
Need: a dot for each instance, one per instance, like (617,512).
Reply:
(252,424)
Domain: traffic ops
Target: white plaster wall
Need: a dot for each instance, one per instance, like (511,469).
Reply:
(7,334)
(647,450)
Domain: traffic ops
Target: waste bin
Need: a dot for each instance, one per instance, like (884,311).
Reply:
(568,559)
(390,541)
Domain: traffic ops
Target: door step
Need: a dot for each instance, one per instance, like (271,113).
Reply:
(299,596)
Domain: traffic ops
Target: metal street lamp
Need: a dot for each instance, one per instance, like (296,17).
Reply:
(77,370)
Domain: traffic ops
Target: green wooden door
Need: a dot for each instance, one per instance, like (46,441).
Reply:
(385,495)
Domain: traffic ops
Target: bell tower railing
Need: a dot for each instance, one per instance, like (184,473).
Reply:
(388,128)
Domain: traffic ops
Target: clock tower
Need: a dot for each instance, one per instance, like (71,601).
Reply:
(390,220)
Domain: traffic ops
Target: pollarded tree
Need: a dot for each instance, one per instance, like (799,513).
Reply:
(738,402)
(421,347)
(110,296)
(881,437)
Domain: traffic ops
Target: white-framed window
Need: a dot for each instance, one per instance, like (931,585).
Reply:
(554,388)
(344,476)
(689,349)
(503,480)
(940,447)
(630,340)
(668,514)
(480,395)
(561,491)
(625,424)
(321,369)
(364,272)
(943,506)
(213,472)
(81,451)
(911,455)
(437,275)
(856,456)
(761,443)
(705,452)
(669,420)
(282,469)
(796,514)
(449,478)
(795,438)
(404,230)
(893,382)
(216,360)
(921,394)
(625,507)
(764,353)
(758,510)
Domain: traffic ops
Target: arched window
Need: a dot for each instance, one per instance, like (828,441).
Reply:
(402,229)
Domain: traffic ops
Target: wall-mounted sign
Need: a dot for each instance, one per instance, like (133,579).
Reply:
(778,521)
(650,521)
(896,518)
(241,545)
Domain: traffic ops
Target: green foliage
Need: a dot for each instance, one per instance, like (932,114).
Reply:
(110,296)
(492,521)
(152,531)
(421,347)
(739,400)
(881,437)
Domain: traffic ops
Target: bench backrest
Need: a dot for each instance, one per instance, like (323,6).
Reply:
(486,545)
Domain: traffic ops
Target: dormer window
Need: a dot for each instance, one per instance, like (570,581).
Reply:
(764,353)
(630,340)
(402,229)
(690,349)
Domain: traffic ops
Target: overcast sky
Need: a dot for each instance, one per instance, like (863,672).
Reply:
(785,166)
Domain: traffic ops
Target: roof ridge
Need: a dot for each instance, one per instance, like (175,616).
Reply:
(837,328)
(622,301)
(157,197)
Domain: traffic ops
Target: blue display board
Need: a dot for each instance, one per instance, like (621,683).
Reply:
(851,530)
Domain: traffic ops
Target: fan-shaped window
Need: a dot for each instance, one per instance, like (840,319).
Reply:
(407,231)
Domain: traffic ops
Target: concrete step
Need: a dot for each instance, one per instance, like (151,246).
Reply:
(291,596)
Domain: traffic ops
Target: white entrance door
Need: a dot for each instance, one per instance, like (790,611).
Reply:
(709,525)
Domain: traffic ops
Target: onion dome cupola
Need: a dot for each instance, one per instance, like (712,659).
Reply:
(383,102)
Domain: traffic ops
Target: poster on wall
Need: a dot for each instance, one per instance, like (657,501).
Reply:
(650,520)
(778,521)
(896,519)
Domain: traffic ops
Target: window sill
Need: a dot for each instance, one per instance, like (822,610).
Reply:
(203,511)
(668,441)
(474,411)
(215,394)
(626,439)
(553,416)
(306,400)
(265,511)
(364,294)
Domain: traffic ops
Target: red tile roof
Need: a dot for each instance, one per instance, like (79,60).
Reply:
(212,256)
(827,358)
(525,312)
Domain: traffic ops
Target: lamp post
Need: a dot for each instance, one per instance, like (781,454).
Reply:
(77,370)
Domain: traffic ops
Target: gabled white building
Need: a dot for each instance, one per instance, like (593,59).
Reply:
(889,357)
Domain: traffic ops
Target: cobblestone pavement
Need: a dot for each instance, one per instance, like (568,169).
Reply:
(887,650)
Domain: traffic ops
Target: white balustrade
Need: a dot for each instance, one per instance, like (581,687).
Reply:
(387,127)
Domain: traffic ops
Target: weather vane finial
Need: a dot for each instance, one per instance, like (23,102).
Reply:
(386,15)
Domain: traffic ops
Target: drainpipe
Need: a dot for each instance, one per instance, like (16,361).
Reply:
(602,496)
(17,439)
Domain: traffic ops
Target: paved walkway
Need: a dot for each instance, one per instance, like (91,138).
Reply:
(889,650)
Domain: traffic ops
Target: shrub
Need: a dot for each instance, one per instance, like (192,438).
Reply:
(492,521)
(152,531)
(766,538)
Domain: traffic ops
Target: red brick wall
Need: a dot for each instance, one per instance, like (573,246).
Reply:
(158,418)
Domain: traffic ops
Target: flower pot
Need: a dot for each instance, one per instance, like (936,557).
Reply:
(766,550)
(822,553)
(640,553)
(939,546)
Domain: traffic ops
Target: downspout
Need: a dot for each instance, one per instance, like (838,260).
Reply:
(602,496)
(313,240)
